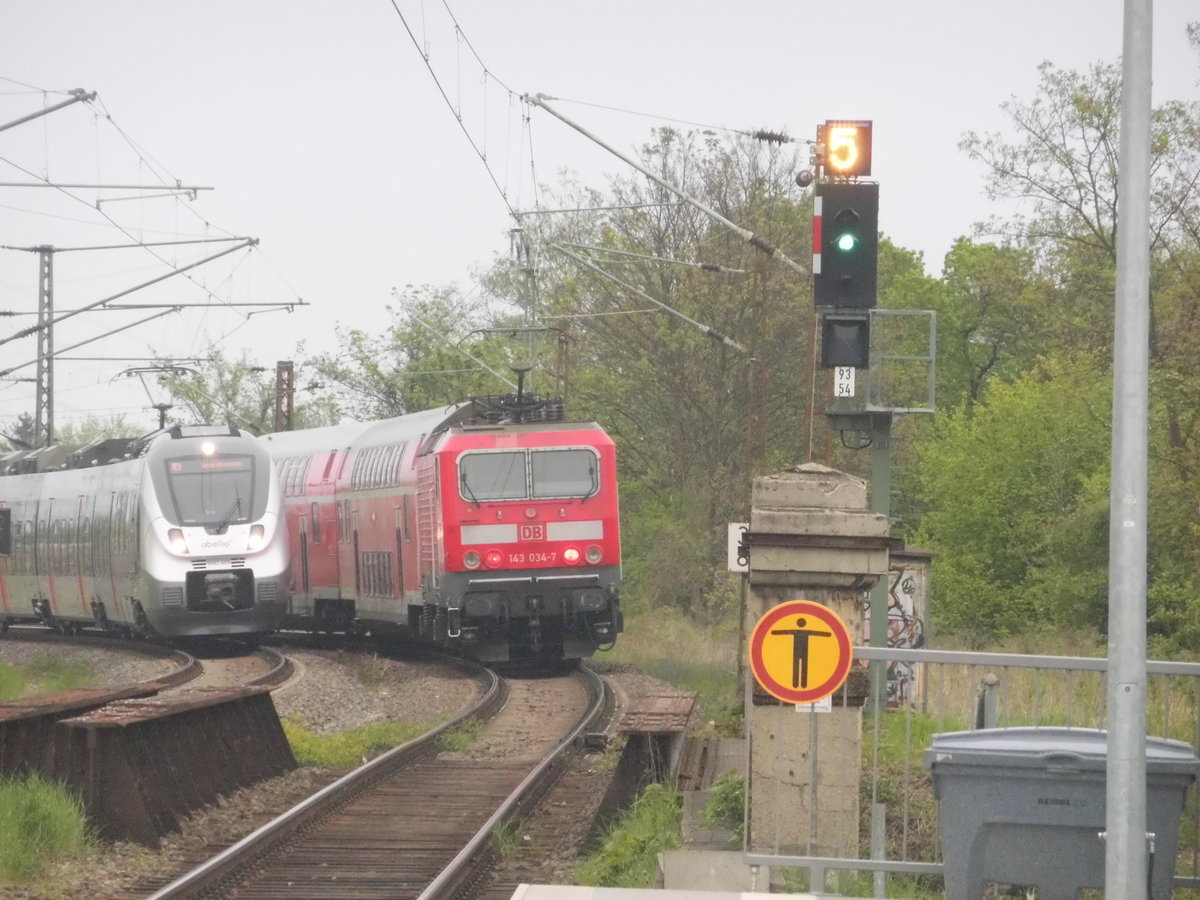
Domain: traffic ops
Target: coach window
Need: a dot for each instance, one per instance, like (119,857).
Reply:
(564,473)
(5,532)
(492,476)
(315,517)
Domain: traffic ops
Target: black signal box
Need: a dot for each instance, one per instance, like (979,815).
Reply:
(845,340)
(846,244)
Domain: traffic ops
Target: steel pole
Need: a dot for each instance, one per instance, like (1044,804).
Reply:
(1126,863)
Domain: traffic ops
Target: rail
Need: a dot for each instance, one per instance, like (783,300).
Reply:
(265,838)
(459,870)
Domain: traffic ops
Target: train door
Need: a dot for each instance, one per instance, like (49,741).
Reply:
(357,562)
(78,551)
(44,557)
(303,551)
(8,553)
(398,512)
(102,538)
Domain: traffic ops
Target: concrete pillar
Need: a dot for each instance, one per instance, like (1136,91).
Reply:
(812,537)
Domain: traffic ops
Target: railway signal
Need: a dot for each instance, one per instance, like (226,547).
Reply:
(844,147)
(846,244)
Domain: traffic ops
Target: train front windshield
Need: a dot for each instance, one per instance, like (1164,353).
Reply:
(215,491)
(528,474)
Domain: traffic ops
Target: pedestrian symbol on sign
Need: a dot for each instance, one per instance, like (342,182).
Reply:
(800,652)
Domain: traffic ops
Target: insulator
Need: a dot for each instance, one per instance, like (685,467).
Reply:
(772,137)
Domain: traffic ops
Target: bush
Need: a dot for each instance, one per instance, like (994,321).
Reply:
(726,809)
(40,823)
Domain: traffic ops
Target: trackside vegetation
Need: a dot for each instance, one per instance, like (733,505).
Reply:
(628,856)
(347,749)
(44,674)
(40,824)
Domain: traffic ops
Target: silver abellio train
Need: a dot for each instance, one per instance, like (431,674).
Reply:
(177,534)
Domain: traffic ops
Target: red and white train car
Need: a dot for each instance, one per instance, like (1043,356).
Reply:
(469,526)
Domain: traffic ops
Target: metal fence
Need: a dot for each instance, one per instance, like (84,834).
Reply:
(936,691)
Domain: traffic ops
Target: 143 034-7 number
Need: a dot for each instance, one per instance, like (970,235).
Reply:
(532,557)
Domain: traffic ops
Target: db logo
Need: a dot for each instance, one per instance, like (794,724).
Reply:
(533,532)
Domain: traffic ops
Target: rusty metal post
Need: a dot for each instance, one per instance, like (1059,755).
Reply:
(285,395)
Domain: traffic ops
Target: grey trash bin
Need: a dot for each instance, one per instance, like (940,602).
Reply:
(1025,806)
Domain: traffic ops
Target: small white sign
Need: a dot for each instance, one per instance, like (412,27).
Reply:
(736,530)
(825,704)
(843,381)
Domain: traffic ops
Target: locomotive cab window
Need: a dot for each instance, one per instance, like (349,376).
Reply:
(564,473)
(493,476)
(528,474)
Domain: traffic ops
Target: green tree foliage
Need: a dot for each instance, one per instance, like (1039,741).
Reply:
(989,314)
(241,393)
(1019,518)
(94,428)
(21,433)
(438,350)
(1012,486)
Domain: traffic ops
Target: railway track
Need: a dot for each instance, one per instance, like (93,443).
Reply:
(417,821)
(186,666)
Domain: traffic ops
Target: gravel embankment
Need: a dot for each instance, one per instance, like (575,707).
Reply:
(330,691)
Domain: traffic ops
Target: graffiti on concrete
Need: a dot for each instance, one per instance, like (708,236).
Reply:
(906,627)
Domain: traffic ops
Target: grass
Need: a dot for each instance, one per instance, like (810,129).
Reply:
(628,857)
(672,647)
(461,736)
(40,824)
(44,674)
(347,749)
(506,840)
(12,682)
(726,809)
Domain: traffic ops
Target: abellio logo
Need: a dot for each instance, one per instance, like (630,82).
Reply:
(211,545)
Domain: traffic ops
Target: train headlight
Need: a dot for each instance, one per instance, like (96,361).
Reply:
(591,600)
(494,559)
(208,448)
(471,559)
(258,537)
(571,556)
(594,555)
(177,540)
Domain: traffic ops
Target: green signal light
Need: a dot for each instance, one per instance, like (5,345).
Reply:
(846,242)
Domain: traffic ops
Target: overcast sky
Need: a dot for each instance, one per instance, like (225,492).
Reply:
(323,134)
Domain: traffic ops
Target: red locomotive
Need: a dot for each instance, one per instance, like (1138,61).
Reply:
(489,526)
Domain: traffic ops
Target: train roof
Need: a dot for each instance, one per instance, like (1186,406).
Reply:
(475,412)
(103,451)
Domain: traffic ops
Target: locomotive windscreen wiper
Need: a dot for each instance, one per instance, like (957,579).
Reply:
(467,489)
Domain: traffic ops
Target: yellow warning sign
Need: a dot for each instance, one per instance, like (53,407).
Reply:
(800,651)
